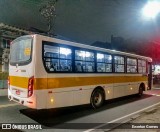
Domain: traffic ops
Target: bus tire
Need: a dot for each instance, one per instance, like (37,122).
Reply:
(97,98)
(141,89)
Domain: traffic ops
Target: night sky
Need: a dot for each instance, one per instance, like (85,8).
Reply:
(85,21)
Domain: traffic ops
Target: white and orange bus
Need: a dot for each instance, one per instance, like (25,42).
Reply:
(46,72)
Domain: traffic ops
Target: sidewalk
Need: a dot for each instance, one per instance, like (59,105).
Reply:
(3,88)
(3,92)
(149,117)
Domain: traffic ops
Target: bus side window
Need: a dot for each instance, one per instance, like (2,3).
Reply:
(79,67)
(48,65)
(54,67)
(89,67)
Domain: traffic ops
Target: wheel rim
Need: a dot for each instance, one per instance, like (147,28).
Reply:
(97,99)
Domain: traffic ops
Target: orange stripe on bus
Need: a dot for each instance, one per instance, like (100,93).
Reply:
(19,81)
(44,83)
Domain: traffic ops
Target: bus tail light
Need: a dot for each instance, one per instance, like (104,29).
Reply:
(8,82)
(30,86)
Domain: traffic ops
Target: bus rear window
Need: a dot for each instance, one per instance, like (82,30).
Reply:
(21,51)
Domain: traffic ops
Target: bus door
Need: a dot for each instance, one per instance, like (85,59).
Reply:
(150,79)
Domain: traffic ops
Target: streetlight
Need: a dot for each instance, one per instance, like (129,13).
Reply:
(151,9)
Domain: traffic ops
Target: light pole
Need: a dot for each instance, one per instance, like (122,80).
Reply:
(150,11)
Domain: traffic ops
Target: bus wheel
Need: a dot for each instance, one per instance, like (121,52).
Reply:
(140,93)
(97,98)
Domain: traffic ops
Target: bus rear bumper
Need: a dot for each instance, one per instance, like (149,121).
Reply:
(29,102)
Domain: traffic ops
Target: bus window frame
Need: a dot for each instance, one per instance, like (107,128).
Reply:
(131,65)
(86,50)
(22,63)
(105,53)
(143,66)
(73,60)
(119,64)
(58,45)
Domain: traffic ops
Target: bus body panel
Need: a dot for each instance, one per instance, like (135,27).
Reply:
(77,95)
(40,76)
(19,75)
(19,78)
(53,90)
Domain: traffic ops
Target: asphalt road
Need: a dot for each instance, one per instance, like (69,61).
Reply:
(77,117)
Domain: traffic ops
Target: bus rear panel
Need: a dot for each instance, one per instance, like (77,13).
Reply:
(21,72)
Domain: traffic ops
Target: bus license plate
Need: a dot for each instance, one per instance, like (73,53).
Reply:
(18,92)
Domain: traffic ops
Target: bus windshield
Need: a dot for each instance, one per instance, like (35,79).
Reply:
(21,51)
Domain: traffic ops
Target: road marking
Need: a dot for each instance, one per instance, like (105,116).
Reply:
(8,105)
(155,94)
(115,120)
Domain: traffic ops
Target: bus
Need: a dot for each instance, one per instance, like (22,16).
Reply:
(46,72)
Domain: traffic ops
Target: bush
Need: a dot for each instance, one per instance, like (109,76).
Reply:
(4,75)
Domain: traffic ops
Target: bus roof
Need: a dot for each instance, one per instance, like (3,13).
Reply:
(70,43)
